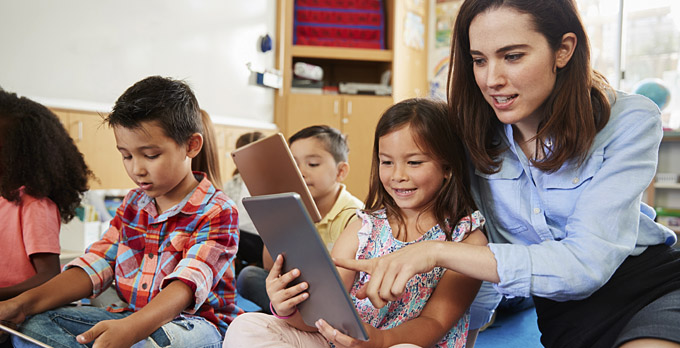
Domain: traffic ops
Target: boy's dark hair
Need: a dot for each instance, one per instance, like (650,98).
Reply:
(37,153)
(433,132)
(169,102)
(335,142)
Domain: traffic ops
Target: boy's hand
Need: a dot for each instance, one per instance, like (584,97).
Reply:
(341,340)
(11,313)
(283,299)
(109,334)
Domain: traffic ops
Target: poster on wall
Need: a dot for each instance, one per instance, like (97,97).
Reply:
(445,16)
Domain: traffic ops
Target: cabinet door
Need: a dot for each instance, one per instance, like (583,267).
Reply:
(306,110)
(96,142)
(360,116)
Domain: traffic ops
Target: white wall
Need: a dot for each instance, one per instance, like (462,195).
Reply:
(84,54)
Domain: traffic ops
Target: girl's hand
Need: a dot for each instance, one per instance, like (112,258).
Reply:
(391,272)
(341,340)
(284,300)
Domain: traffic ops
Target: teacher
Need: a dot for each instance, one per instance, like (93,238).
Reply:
(561,162)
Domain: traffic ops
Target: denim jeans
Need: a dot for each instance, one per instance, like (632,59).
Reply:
(60,327)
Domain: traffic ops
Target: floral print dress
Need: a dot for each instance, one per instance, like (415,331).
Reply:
(376,239)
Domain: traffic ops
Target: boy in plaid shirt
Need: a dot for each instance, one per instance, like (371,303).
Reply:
(169,248)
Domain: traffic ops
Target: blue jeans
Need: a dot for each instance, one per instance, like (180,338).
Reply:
(60,327)
(482,308)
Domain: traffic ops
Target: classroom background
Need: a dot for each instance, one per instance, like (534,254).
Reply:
(260,65)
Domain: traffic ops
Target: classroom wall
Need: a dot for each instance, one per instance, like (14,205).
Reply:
(82,54)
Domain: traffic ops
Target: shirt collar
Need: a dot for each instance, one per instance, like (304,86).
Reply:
(193,202)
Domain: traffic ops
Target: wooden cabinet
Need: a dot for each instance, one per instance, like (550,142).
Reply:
(354,115)
(96,142)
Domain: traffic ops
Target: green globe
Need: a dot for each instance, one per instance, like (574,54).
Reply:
(655,90)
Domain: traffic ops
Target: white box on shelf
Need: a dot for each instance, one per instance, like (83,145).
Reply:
(76,235)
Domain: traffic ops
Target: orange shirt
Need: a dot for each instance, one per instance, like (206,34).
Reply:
(28,228)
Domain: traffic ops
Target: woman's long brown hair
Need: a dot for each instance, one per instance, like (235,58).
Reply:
(577,108)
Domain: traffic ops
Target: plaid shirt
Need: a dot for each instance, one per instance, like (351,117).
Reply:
(194,241)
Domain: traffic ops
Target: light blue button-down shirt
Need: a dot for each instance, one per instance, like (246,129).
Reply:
(562,235)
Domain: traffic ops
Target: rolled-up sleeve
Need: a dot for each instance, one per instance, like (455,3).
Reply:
(573,240)
(100,258)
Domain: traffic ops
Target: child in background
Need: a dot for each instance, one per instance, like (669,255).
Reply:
(169,248)
(42,179)
(419,187)
(321,154)
(208,160)
(250,244)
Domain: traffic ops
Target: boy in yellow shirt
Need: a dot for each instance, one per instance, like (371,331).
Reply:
(321,154)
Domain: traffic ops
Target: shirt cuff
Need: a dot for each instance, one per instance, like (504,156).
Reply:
(196,275)
(97,268)
(514,269)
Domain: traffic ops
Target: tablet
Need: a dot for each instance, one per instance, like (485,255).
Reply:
(267,167)
(286,228)
(25,337)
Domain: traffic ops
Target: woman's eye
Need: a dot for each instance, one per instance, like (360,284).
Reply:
(478,61)
(385,163)
(414,163)
(127,157)
(514,56)
(152,156)
(313,165)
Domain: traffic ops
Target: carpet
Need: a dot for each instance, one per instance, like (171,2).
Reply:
(511,330)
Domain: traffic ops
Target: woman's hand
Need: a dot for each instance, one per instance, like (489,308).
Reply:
(391,272)
(284,300)
(341,340)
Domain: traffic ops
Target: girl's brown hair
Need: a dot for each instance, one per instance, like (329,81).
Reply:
(576,109)
(434,134)
(208,160)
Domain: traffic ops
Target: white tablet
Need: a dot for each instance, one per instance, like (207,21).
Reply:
(267,167)
(25,337)
(287,229)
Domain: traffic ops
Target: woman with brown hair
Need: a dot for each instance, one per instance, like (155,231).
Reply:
(561,162)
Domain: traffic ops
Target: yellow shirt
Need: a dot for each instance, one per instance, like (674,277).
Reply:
(333,223)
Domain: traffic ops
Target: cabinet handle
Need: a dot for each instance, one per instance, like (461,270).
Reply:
(336,106)
(349,108)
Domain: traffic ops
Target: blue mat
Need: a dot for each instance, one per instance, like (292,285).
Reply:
(516,330)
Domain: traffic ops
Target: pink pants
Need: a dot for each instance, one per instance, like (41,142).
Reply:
(259,330)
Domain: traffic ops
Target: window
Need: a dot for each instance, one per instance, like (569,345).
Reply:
(636,40)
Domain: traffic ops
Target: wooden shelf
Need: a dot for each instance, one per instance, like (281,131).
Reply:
(673,135)
(342,53)
(671,186)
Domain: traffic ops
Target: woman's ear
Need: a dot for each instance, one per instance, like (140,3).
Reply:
(194,145)
(566,50)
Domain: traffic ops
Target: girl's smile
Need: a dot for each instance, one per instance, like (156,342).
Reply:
(409,175)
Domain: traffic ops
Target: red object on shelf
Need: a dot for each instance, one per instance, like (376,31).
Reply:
(339,23)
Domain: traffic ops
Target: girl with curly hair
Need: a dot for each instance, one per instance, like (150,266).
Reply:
(42,179)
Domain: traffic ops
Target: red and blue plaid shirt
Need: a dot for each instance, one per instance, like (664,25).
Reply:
(194,241)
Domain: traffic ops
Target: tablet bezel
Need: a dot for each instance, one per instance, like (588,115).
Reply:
(287,229)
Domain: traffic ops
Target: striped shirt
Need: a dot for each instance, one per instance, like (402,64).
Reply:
(194,241)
